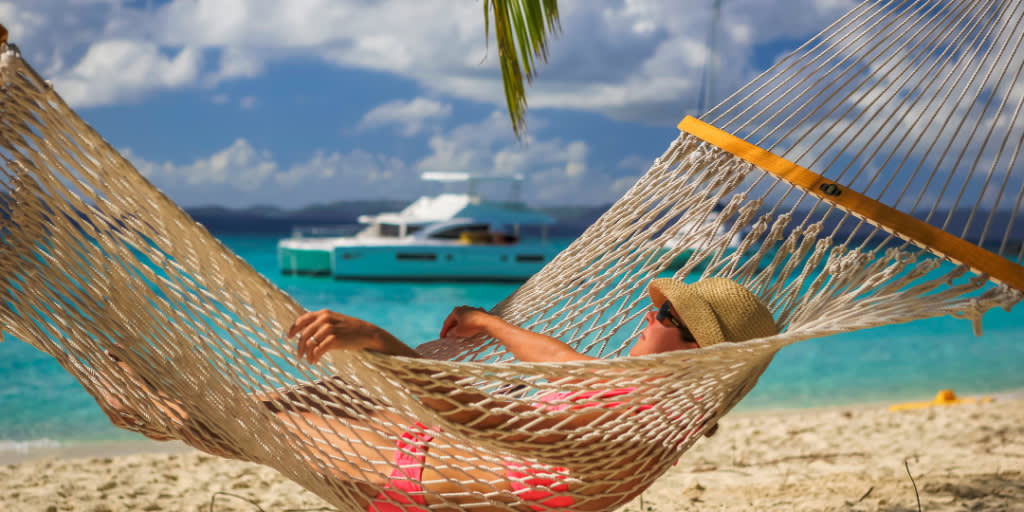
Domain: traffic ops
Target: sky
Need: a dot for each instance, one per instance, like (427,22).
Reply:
(262,102)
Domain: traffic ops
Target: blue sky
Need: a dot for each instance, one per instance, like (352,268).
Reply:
(263,102)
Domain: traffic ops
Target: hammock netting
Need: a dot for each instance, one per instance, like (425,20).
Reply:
(869,176)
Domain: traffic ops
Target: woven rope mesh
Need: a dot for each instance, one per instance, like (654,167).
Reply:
(913,103)
(176,337)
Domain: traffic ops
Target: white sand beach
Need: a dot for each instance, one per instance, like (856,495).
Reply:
(960,457)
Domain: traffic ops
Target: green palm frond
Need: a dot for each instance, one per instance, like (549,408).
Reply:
(521,28)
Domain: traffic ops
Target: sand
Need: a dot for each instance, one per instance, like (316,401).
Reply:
(961,457)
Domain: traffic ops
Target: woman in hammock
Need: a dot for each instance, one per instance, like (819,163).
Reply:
(686,316)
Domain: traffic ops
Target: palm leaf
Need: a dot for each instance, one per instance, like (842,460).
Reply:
(521,28)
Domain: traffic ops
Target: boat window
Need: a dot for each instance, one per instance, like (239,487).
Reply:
(531,258)
(395,230)
(416,256)
(454,232)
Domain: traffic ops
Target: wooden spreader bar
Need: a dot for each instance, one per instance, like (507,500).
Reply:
(888,218)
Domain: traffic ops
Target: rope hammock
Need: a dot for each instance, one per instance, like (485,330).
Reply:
(870,176)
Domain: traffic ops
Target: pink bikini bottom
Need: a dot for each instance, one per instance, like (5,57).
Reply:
(528,483)
(407,475)
(404,492)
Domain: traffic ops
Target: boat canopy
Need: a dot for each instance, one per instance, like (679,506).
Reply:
(428,210)
(449,206)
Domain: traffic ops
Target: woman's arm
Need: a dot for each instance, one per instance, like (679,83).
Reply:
(324,330)
(321,331)
(526,345)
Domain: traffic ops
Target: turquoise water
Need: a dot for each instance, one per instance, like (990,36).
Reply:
(42,406)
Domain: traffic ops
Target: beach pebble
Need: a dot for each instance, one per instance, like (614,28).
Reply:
(107,486)
(959,490)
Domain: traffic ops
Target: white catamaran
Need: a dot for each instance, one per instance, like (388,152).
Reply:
(451,236)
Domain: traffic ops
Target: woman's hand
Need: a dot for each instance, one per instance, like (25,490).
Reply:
(525,345)
(321,331)
(466,321)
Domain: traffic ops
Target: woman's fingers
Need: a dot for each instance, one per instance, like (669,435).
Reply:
(306,327)
(460,322)
(306,335)
(321,348)
(318,332)
(300,345)
(308,338)
(300,327)
(318,342)
(324,330)
(449,323)
(301,322)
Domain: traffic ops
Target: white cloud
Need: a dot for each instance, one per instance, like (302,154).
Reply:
(636,60)
(322,166)
(556,170)
(576,158)
(630,60)
(115,70)
(468,147)
(447,155)
(635,163)
(357,174)
(409,116)
(242,175)
(240,166)
(236,63)
(247,102)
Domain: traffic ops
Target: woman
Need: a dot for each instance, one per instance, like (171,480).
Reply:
(687,316)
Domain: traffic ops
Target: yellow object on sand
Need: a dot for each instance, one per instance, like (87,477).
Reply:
(944,397)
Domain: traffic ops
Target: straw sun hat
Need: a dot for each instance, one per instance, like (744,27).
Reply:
(715,310)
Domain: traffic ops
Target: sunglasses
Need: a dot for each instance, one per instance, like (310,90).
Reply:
(665,314)
(666,318)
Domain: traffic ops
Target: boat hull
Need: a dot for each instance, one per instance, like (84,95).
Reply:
(456,262)
(304,259)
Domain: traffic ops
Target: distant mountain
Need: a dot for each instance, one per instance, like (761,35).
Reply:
(271,219)
(571,221)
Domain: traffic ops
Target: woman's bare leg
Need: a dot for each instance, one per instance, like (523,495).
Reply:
(322,429)
(179,424)
(354,444)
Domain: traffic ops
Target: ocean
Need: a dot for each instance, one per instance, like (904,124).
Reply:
(42,408)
